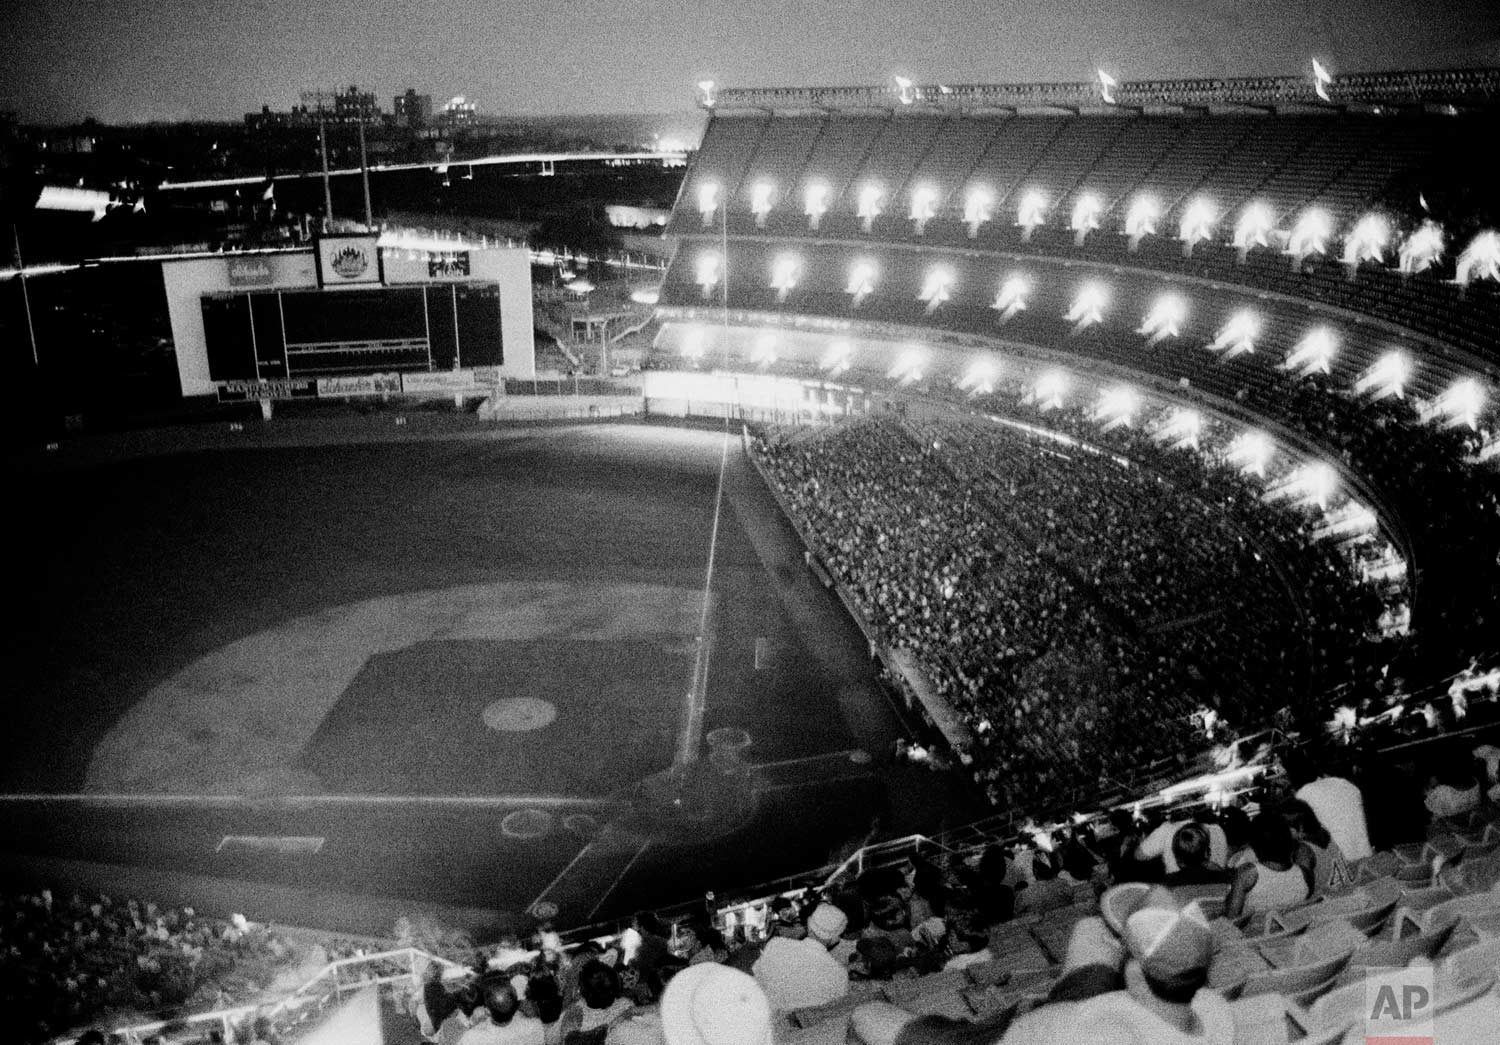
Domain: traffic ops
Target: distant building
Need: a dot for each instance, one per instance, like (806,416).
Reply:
(412,109)
(350,106)
(459,112)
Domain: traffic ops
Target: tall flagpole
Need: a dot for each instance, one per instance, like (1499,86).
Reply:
(25,294)
(364,170)
(327,189)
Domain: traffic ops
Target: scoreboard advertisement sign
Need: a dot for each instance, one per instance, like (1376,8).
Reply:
(359,385)
(249,391)
(347,260)
(448,266)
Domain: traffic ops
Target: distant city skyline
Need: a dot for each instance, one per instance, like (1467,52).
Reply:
(153,60)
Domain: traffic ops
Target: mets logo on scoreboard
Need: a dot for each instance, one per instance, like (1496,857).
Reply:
(350,261)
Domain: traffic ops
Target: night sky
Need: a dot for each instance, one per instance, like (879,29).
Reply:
(135,60)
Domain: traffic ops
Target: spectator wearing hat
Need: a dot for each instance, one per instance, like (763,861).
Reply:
(798,974)
(712,1004)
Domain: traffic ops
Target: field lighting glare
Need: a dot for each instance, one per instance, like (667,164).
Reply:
(1088,306)
(815,202)
(1165,318)
(1422,249)
(764,352)
(1387,377)
(693,343)
(1197,224)
(1310,234)
(1251,452)
(1480,259)
(761,194)
(706,93)
(870,197)
(1141,220)
(708,271)
(979,207)
(923,206)
(905,91)
(1462,403)
(1237,336)
(1085,218)
(1012,296)
(908,366)
(1254,227)
(979,379)
(1031,212)
(937,288)
(1311,484)
(838,358)
(861,280)
(1107,85)
(1321,80)
(708,201)
(1181,429)
(1367,241)
(784,272)
(1049,389)
(1313,354)
(1116,407)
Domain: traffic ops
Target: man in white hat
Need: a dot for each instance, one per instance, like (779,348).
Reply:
(712,1004)
(798,974)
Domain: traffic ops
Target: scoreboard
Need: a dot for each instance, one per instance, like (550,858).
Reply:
(279,334)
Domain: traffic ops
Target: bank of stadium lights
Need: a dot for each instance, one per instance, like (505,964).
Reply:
(763,352)
(1086,212)
(1310,235)
(1367,241)
(1088,306)
(1254,228)
(707,271)
(1313,483)
(708,201)
(1116,407)
(1012,296)
(923,205)
(1461,404)
(1164,319)
(1141,219)
(1313,354)
(1107,85)
(1386,377)
(869,207)
(785,271)
(905,91)
(1031,212)
(1422,249)
(1480,259)
(1346,522)
(979,378)
(1238,334)
(861,283)
(762,193)
(907,367)
(937,287)
(815,203)
(838,358)
(1321,79)
(1048,391)
(1180,429)
(706,93)
(1251,452)
(979,207)
(1197,224)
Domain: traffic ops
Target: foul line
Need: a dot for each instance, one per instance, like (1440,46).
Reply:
(211,801)
(692,727)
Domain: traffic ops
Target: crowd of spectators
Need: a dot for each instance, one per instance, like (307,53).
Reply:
(1076,606)
(65,961)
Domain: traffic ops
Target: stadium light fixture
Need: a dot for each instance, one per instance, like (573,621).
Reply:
(1257,223)
(1086,211)
(1238,334)
(706,93)
(1164,319)
(979,378)
(1321,79)
(1386,377)
(1197,224)
(1251,451)
(707,271)
(869,207)
(1422,249)
(815,203)
(1141,219)
(1313,483)
(1088,306)
(1367,241)
(1461,404)
(1031,212)
(838,358)
(923,205)
(646,295)
(861,281)
(1310,235)
(907,367)
(784,273)
(81,201)
(937,287)
(905,91)
(1313,354)
(1180,429)
(708,201)
(1116,407)
(979,207)
(764,351)
(1107,85)
(761,195)
(1012,296)
(1480,259)
(1049,390)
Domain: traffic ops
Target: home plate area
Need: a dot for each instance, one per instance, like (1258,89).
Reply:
(570,718)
